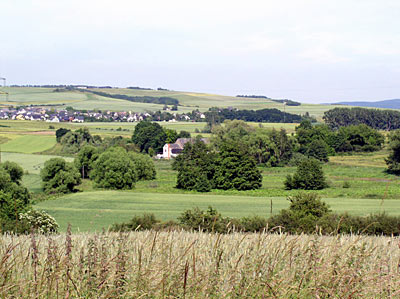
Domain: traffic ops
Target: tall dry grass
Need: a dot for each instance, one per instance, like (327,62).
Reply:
(198,265)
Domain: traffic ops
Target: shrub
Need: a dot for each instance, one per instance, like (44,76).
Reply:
(253,224)
(38,221)
(200,220)
(303,214)
(145,222)
(309,176)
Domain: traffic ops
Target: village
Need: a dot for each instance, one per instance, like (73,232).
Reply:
(41,113)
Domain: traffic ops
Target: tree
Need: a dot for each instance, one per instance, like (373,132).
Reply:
(195,166)
(172,135)
(318,150)
(14,197)
(85,159)
(393,160)
(184,134)
(235,168)
(309,176)
(61,132)
(59,176)
(144,166)
(114,169)
(14,170)
(149,135)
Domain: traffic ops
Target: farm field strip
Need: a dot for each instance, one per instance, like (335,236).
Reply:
(29,162)
(29,144)
(92,211)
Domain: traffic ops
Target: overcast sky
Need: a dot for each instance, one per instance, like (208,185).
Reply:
(311,51)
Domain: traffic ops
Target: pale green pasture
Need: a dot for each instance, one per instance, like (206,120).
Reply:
(29,144)
(92,211)
(29,162)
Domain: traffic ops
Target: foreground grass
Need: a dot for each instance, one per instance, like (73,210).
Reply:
(93,211)
(198,265)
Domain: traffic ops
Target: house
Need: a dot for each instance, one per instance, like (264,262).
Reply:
(171,150)
(54,119)
(78,119)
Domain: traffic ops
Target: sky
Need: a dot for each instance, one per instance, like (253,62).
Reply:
(313,51)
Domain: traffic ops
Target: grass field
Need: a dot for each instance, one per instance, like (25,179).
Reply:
(29,144)
(92,211)
(32,164)
(188,100)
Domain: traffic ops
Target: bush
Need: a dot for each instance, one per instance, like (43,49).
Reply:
(303,214)
(198,220)
(145,222)
(253,224)
(38,221)
(309,176)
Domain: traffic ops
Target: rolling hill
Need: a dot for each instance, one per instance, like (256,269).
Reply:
(387,104)
(188,101)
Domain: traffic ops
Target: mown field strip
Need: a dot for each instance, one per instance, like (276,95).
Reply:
(92,211)
(29,144)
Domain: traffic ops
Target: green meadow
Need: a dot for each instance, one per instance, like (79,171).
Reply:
(29,144)
(371,191)
(92,211)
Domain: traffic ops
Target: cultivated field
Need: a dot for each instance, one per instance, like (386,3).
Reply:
(198,265)
(93,211)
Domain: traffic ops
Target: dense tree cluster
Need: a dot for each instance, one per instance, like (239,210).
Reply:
(114,168)
(268,147)
(319,141)
(231,166)
(374,118)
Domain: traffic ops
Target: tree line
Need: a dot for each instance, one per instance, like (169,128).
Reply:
(137,99)
(218,115)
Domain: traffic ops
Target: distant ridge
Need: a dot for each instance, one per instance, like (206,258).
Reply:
(389,104)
